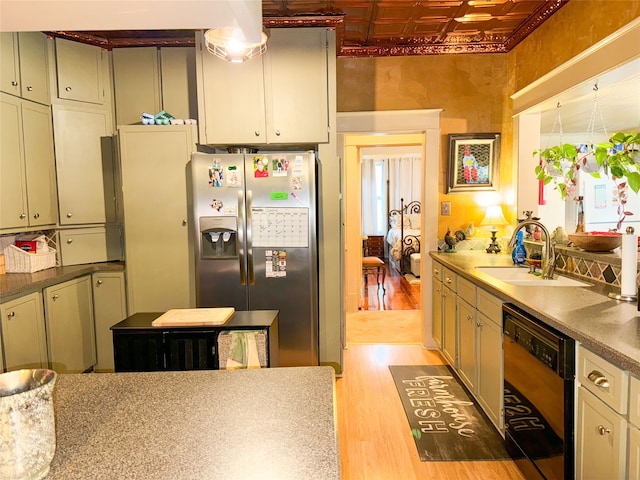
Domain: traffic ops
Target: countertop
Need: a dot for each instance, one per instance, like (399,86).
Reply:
(214,424)
(17,284)
(608,327)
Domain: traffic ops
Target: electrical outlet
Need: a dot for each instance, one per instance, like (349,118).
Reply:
(445,208)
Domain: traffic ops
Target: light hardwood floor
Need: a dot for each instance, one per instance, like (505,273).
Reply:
(373,431)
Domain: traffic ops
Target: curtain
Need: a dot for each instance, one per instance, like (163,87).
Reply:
(404,174)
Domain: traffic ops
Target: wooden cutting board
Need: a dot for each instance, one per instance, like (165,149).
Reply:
(194,317)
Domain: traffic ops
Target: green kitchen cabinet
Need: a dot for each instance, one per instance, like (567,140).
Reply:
(70,325)
(466,313)
(110,307)
(281,97)
(86,191)
(27,164)
(80,71)
(24,69)
(158,249)
(150,79)
(437,305)
(449,318)
(23,333)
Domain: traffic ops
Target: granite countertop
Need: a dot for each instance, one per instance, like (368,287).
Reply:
(214,424)
(17,284)
(608,327)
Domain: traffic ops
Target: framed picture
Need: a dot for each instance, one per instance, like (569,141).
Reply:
(473,162)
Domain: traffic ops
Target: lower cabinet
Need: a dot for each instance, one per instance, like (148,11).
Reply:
(634,453)
(449,318)
(109,308)
(601,440)
(23,333)
(70,325)
(436,319)
(490,371)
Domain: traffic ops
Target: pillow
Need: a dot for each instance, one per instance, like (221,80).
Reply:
(415,220)
(395,221)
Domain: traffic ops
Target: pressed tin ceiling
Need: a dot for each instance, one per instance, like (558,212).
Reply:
(380,28)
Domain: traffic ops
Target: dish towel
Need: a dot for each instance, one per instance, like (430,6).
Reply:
(243,352)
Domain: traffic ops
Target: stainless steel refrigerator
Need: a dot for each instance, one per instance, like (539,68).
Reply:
(255,238)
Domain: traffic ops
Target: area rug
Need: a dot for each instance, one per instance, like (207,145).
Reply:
(445,421)
(411,279)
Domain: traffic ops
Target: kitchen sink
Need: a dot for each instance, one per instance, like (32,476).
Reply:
(521,276)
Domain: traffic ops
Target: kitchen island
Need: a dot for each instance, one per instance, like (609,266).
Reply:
(216,424)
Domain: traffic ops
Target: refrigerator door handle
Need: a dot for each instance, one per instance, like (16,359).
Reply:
(241,253)
(252,280)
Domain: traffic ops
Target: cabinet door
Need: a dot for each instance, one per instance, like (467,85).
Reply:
(231,98)
(80,70)
(138,352)
(159,264)
(110,307)
(9,63)
(13,199)
(296,86)
(490,372)
(436,322)
(34,70)
(449,327)
(79,147)
(467,343)
(23,333)
(601,442)
(178,74)
(191,350)
(136,79)
(70,326)
(39,164)
(634,453)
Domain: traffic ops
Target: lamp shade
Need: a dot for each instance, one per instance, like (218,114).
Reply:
(494,217)
(223,43)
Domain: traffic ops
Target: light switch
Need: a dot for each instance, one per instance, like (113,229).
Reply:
(445,208)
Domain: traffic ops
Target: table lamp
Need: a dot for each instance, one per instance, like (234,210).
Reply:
(493,219)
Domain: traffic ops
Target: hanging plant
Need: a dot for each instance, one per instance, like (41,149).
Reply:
(618,159)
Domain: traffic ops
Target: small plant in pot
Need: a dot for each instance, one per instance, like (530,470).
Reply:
(619,159)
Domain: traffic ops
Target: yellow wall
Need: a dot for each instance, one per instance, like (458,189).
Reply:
(474,91)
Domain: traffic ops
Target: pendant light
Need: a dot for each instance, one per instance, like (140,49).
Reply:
(224,44)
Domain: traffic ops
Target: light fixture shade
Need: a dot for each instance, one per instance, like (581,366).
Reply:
(225,45)
(494,217)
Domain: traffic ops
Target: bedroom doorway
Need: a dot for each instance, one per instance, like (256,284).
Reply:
(361,130)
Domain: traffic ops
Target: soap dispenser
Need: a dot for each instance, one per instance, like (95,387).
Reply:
(519,253)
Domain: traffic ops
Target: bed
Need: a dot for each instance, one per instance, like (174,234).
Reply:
(403,237)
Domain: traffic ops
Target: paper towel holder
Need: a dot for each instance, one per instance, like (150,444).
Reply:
(620,296)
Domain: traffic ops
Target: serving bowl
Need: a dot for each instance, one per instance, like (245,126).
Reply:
(596,241)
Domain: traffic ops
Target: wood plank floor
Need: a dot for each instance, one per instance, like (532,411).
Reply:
(398,294)
(373,431)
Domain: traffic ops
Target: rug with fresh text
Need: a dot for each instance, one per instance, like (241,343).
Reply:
(445,421)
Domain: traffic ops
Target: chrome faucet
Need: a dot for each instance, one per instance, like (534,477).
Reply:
(549,257)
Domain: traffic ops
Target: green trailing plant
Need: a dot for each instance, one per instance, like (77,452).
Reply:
(618,159)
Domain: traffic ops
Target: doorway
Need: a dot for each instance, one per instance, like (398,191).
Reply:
(360,130)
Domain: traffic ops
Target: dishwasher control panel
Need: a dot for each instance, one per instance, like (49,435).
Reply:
(532,342)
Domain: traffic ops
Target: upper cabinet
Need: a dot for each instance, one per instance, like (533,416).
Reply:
(281,97)
(150,79)
(27,165)
(80,70)
(83,154)
(24,68)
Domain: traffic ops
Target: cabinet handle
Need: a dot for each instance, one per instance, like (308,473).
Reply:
(598,379)
(14,83)
(99,282)
(68,89)
(11,314)
(602,430)
(256,133)
(448,280)
(469,317)
(69,215)
(36,216)
(69,240)
(479,325)
(277,133)
(29,89)
(436,271)
(22,216)
(184,223)
(54,297)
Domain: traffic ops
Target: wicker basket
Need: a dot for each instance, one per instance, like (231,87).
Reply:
(224,344)
(19,261)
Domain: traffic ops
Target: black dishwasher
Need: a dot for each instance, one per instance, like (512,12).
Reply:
(539,373)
